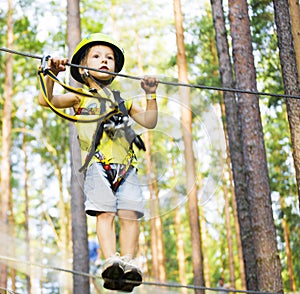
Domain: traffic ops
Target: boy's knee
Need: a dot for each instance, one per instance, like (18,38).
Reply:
(127,215)
(106,216)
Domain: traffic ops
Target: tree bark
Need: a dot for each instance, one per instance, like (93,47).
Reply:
(186,122)
(233,130)
(79,222)
(255,163)
(290,78)
(295,22)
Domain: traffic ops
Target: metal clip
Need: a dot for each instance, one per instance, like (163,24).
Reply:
(44,63)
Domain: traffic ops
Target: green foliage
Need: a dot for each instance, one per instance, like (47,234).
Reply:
(262,22)
(265,49)
(203,64)
(89,22)
(170,247)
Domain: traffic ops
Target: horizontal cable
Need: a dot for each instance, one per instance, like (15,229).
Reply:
(178,84)
(159,284)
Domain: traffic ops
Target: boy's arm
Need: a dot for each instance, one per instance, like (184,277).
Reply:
(148,117)
(62,100)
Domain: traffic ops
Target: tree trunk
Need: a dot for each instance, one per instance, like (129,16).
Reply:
(6,143)
(235,145)
(186,122)
(295,22)
(255,163)
(290,78)
(79,222)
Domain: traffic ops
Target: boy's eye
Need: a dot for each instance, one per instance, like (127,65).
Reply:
(98,56)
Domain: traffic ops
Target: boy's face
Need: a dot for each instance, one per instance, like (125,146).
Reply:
(101,57)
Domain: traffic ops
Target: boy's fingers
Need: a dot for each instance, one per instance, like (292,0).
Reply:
(57,63)
(150,81)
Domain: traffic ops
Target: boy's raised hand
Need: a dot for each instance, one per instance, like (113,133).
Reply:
(149,84)
(57,64)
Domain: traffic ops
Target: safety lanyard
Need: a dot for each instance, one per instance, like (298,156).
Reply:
(114,107)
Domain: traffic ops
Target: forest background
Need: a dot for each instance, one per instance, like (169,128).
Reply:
(38,210)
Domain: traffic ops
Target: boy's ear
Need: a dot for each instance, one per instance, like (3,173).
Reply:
(81,71)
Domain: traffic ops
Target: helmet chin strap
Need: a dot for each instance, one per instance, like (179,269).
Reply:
(100,83)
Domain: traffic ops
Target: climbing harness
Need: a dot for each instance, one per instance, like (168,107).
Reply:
(115,173)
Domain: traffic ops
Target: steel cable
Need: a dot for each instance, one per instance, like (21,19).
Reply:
(159,284)
(178,84)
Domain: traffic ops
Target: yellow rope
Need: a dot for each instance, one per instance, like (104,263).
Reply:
(73,118)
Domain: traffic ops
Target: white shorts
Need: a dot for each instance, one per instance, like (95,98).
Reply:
(99,196)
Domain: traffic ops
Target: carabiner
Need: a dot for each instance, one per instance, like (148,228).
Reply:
(44,64)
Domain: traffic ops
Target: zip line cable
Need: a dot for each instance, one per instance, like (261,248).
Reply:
(160,81)
(159,284)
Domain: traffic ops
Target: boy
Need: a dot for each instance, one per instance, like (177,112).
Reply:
(111,186)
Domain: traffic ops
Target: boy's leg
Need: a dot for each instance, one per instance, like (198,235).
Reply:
(130,209)
(113,268)
(106,233)
(101,202)
(129,240)
(129,232)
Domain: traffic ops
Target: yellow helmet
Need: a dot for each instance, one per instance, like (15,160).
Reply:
(94,39)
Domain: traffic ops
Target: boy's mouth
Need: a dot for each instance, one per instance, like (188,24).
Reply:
(104,68)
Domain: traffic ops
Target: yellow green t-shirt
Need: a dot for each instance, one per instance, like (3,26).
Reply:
(114,151)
